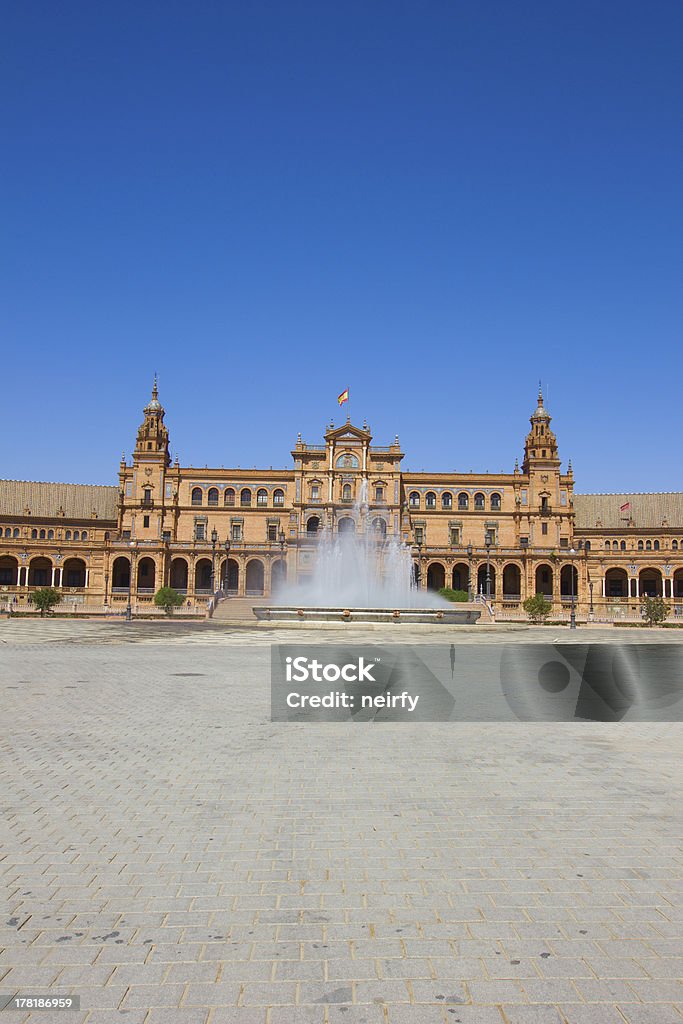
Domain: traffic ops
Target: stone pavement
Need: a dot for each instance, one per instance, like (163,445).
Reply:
(171,855)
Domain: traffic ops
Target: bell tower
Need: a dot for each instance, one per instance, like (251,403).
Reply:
(540,449)
(151,445)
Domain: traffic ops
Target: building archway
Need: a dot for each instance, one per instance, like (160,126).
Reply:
(650,583)
(460,577)
(616,583)
(567,573)
(436,576)
(120,575)
(233,581)
(40,572)
(379,527)
(255,578)
(73,574)
(147,572)
(678,584)
(179,575)
(481,579)
(512,582)
(313,524)
(9,571)
(346,525)
(544,580)
(202,576)
(278,575)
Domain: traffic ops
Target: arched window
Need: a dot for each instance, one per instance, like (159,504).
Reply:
(414,499)
(42,535)
(623,545)
(15,532)
(245,497)
(495,501)
(379,526)
(430,499)
(640,545)
(77,535)
(346,492)
(229,496)
(51,535)
(615,545)
(674,545)
(8,532)
(262,496)
(479,501)
(656,545)
(607,545)
(463,500)
(196,495)
(84,535)
(446,500)
(34,535)
(648,545)
(213,496)
(67,535)
(278,496)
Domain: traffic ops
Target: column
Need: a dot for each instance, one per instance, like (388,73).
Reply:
(637,580)
(602,582)
(61,576)
(54,570)
(87,577)
(242,585)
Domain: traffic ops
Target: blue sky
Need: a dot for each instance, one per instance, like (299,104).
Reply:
(433,204)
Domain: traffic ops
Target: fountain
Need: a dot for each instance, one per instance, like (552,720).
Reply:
(362,575)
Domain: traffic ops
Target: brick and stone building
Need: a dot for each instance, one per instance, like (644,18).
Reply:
(509,534)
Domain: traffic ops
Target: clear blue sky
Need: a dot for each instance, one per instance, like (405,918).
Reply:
(434,204)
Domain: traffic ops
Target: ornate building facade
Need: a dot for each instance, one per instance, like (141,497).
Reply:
(503,536)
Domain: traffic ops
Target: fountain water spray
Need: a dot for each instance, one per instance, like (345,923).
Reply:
(361,568)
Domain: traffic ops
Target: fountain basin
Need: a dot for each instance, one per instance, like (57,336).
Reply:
(303,614)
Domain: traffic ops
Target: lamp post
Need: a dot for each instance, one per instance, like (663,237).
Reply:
(282,540)
(487,544)
(469,572)
(106,589)
(129,609)
(227,570)
(214,541)
(590,587)
(572,614)
(418,574)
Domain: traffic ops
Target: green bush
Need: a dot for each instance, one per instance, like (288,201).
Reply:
(655,610)
(454,595)
(45,599)
(168,599)
(537,608)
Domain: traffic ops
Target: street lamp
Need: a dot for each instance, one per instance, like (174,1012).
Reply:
(282,540)
(214,541)
(129,609)
(227,556)
(487,544)
(106,588)
(469,572)
(572,614)
(418,574)
(590,587)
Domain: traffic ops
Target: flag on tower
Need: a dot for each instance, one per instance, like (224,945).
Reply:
(344,397)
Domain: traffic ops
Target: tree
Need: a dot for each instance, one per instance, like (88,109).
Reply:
(168,599)
(655,609)
(453,595)
(537,608)
(45,599)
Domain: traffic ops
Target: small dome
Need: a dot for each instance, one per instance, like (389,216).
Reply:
(541,413)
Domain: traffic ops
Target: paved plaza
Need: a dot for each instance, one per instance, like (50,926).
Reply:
(171,855)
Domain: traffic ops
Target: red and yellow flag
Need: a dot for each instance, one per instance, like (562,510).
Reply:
(344,397)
